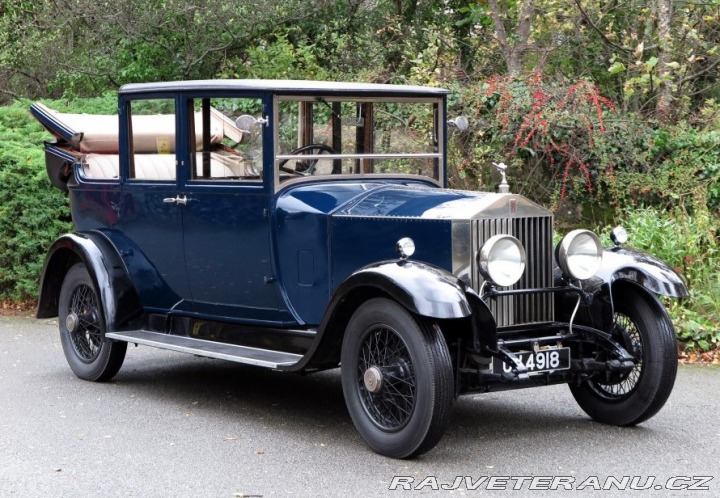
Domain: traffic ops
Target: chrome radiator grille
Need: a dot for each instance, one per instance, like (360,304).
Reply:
(535,234)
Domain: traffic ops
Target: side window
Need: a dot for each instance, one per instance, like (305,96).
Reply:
(327,136)
(152,139)
(226,139)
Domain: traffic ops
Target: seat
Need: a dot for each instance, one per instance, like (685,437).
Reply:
(154,166)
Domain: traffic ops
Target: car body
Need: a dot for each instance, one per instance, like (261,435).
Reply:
(302,226)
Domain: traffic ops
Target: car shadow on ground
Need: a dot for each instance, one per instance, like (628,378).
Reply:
(314,402)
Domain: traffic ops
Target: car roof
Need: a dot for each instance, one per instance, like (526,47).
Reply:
(286,87)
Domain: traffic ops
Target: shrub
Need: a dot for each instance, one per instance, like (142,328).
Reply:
(682,170)
(561,138)
(32,213)
(689,244)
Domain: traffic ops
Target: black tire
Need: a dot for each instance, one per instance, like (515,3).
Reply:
(407,408)
(82,329)
(643,327)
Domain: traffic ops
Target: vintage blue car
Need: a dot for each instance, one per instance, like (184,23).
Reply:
(302,226)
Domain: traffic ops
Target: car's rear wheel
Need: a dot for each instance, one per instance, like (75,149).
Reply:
(643,328)
(82,329)
(397,379)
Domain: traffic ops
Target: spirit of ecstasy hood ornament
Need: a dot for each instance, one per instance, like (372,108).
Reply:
(503,188)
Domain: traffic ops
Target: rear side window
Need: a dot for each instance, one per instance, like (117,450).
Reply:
(152,140)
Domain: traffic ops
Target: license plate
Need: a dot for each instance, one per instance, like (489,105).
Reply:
(545,360)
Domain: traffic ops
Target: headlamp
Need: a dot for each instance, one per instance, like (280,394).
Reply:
(502,260)
(579,254)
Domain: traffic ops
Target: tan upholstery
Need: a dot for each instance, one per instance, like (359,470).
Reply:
(159,166)
(102,166)
(151,134)
(147,166)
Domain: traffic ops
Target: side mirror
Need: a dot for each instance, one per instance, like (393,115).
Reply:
(460,122)
(246,123)
(248,126)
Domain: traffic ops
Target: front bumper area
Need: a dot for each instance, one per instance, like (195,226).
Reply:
(504,358)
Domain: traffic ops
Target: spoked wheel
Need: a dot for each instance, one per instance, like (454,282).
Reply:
(621,385)
(386,380)
(643,328)
(82,329)
(397,379)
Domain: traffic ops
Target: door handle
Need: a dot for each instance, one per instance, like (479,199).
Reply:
(176,200)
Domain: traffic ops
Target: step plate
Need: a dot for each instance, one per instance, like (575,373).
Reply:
(210,349)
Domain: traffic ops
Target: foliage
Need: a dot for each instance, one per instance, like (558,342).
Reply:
(555,132)
(690,245)
(681,170)
(278,59)
(32,213)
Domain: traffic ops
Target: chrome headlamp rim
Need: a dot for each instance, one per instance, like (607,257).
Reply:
(501,260)
(579,254)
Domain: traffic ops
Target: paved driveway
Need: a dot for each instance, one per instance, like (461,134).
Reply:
(176,425)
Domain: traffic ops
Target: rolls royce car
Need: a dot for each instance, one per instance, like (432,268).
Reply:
(301,226)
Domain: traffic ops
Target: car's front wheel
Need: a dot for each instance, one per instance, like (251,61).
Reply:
(82,329)
(644,329)
(397,379)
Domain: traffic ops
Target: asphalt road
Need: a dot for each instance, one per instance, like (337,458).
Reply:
(173,425)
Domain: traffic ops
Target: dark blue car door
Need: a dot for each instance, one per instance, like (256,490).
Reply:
(149,218)
(226,223)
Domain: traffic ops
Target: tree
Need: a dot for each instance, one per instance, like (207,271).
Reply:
(665,91)
(513,47)
(661,53)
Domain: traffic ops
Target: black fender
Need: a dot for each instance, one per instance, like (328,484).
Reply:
(107,270)
(484,326)
(633,265)
(423,289)
(619,266)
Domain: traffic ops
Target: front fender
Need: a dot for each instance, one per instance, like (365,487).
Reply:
(118,297)
(620,263)
(423,289)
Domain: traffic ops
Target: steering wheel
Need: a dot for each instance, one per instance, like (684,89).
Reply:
(306,168)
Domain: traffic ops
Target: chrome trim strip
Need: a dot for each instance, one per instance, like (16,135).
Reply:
(419,155)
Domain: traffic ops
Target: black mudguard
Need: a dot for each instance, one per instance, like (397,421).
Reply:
(422,289)
(119,299)
(619,265)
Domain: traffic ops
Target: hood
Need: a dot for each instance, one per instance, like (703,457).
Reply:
(438,204)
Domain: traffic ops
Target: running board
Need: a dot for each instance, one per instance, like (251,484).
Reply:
(210,349)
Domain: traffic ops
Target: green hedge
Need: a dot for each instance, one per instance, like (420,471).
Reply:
(32,213)
(689,244)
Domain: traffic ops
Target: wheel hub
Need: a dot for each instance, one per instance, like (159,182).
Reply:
(373,380)
(71,322)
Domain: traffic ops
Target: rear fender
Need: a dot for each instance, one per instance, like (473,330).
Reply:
(106,268)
